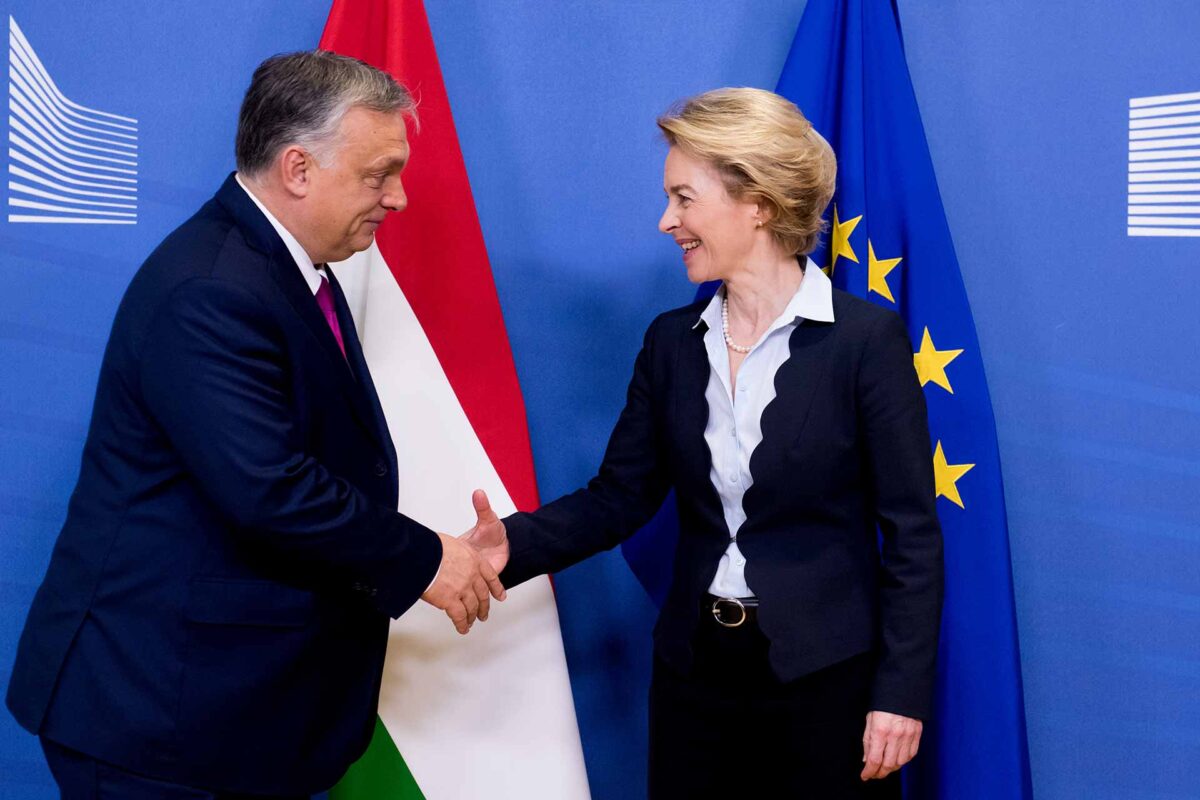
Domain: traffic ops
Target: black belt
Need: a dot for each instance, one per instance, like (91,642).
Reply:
(730,612)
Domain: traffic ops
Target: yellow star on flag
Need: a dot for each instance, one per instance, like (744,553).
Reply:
(931,362)
(839,244)
(945,477)
(877,272)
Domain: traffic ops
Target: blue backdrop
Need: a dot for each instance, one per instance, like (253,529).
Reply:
(1088,335)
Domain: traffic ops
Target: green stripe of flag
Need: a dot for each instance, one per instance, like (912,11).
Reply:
(380,774)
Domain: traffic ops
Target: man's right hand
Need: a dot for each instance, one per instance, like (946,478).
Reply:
(464,585)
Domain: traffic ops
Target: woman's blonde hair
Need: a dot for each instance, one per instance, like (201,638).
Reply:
(766,152)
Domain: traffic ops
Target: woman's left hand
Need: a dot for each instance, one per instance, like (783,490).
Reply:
(889,742)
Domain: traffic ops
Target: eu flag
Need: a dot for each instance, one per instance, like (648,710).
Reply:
(888,241)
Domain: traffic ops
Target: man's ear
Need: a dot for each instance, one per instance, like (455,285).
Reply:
(294,167)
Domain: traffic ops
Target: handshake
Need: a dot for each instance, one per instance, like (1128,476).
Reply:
(471,564)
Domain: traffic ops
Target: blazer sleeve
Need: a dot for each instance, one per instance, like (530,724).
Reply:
(896,432)
(212,377)
(629,488)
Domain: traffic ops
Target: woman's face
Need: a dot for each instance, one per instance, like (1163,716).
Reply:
(715,231)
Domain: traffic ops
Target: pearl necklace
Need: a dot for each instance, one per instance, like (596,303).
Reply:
(737,348)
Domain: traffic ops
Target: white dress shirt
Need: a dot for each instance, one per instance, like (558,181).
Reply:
(734,427)
(312,275)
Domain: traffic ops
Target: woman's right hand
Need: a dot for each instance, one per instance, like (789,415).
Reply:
(488,536)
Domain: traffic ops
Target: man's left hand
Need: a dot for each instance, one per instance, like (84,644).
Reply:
(889,742)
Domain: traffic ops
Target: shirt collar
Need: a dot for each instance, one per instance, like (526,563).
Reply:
(813,300)
(312,275)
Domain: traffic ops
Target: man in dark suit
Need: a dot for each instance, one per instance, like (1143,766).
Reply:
(214,618)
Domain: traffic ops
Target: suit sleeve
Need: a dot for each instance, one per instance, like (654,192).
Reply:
(631,485)
(212,377)
(896,430)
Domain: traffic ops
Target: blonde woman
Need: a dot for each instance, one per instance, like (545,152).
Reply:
(794,655)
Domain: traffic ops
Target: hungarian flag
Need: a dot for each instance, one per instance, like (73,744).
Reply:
(489,714)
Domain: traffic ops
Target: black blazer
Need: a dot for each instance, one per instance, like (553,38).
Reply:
(215,612)
(845,451)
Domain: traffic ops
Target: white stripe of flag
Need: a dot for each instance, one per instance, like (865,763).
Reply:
(439,689)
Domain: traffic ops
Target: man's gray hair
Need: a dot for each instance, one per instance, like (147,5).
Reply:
(300,98)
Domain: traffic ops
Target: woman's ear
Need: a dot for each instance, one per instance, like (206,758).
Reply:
(763,213)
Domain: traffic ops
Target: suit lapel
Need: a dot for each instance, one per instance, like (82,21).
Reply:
(357,362)
(260,235)
(796,384)
(690,414)
(300,297)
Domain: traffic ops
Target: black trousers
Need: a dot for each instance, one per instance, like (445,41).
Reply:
(81,777)
(731,730)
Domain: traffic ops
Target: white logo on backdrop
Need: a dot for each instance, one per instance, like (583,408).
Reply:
(1164,165)
(66,162)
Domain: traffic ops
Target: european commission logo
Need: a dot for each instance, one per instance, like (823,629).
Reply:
(1164,165)
(66,163)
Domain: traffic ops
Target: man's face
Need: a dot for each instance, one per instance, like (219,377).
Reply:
(349,197)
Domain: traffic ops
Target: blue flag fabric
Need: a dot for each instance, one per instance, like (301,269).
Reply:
(888,241)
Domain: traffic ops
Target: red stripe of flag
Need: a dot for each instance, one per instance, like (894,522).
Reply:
(435,248)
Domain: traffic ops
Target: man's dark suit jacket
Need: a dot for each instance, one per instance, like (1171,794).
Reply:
(215,612)
(845,449)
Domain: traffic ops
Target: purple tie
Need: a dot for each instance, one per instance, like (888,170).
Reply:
(325,301)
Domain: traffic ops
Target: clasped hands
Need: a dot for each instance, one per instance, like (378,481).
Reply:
(468,577)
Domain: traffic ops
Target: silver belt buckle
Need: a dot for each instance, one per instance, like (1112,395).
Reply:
(716,611)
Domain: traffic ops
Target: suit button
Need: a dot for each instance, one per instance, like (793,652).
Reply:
(381,469)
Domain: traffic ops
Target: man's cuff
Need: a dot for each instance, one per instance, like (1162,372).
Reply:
(399,588)
(435,577)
